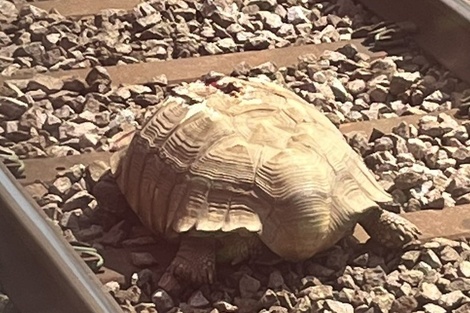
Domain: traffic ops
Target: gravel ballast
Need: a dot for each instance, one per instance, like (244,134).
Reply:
(48,117)
(424,166)
(161,30)
(350,277)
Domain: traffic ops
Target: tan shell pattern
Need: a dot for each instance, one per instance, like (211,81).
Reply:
(260,159)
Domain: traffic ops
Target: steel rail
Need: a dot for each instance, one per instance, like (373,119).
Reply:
(38,269)
(443,28)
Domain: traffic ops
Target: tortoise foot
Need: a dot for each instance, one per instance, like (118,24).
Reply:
(194,263)
(389,229)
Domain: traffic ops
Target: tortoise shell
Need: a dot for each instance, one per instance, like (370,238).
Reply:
(247,155)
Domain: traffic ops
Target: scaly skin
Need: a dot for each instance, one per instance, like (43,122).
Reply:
(196,259)
(194,264)
(388,229)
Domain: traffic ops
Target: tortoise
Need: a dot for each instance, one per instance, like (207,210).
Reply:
(248,165)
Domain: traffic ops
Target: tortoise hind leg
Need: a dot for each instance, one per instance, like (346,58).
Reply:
(194,263)
(388,229)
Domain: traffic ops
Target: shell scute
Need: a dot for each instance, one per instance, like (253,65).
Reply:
(261,159)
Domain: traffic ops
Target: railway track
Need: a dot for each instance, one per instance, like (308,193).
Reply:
(35,249)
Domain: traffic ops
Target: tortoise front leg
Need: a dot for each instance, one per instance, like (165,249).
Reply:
(194,263)
(388,229)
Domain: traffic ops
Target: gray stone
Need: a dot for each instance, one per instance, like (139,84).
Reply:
(269,299)
(259,42)
(98,74)
(449,272)
(459,184)
(347,281)
(461,155)
(130,295)
(462,284)
(382,299)
(46,83)
(374,277)
(383,144)
(413,277)
(401,82)
(8,11)
(303,305)
(429,125)
(89,140)
(162,301)
(341,94)
(460,133)
(297,15)
(316,293)
(452,299)
(407,178)
(197,300)
(248,286)
(429,106)
(447,123)
(347,295)
(464,269)
(278,309)
(417,147)
(61,186)
(428,292)
(261,4)
(433,308)
(423,267)
(437,96)
(464,199)
(79,200)
(12,108)
(464,308)
(378,93)
(225,307)
(356,86)
(339,307)
(276,280)
(434,199)
(115,236)
(270,20)
(75,130)
(404,304)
